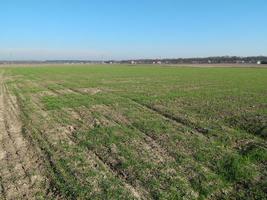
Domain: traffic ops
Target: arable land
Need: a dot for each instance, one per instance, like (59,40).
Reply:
(133,132)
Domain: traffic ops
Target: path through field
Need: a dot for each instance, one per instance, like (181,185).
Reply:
(20,175)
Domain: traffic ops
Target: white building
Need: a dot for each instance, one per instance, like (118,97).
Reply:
(259,62)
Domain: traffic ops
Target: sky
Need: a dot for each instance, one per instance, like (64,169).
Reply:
(131,29)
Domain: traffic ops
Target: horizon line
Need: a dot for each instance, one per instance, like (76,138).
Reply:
(134,59)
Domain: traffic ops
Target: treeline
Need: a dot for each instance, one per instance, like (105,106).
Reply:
(206,60)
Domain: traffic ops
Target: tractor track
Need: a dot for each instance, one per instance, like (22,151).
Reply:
(137,191)
(20,169)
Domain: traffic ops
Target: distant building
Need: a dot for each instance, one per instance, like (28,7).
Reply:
(133,62)
(259,62)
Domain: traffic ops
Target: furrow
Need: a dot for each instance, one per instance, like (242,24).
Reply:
(20,175)
(137,191)
(170,117)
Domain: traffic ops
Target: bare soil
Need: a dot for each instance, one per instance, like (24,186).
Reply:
(20,172)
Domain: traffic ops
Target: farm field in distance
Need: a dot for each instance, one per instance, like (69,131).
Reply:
(133,132)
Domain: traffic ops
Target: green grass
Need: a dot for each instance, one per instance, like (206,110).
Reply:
(167,132)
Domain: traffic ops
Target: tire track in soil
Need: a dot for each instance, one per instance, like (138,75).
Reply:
(148,139)
(193,128)
(20,173)
(47,150)
(137,191)
(151,143)
(172,118)
(200,131)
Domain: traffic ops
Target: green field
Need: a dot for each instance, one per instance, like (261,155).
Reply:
(133,132)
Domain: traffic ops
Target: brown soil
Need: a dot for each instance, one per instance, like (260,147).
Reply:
(20,172)
(91,91)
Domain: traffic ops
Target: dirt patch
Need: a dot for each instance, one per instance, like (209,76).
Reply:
(153,150)
(20,171)
(111,114)
(90,117)
(45,93)
(60,134)
(65,91)
(91,91)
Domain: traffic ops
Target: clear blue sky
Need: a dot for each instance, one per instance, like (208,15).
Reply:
(125,29)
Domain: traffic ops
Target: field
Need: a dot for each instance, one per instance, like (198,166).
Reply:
(133,132)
